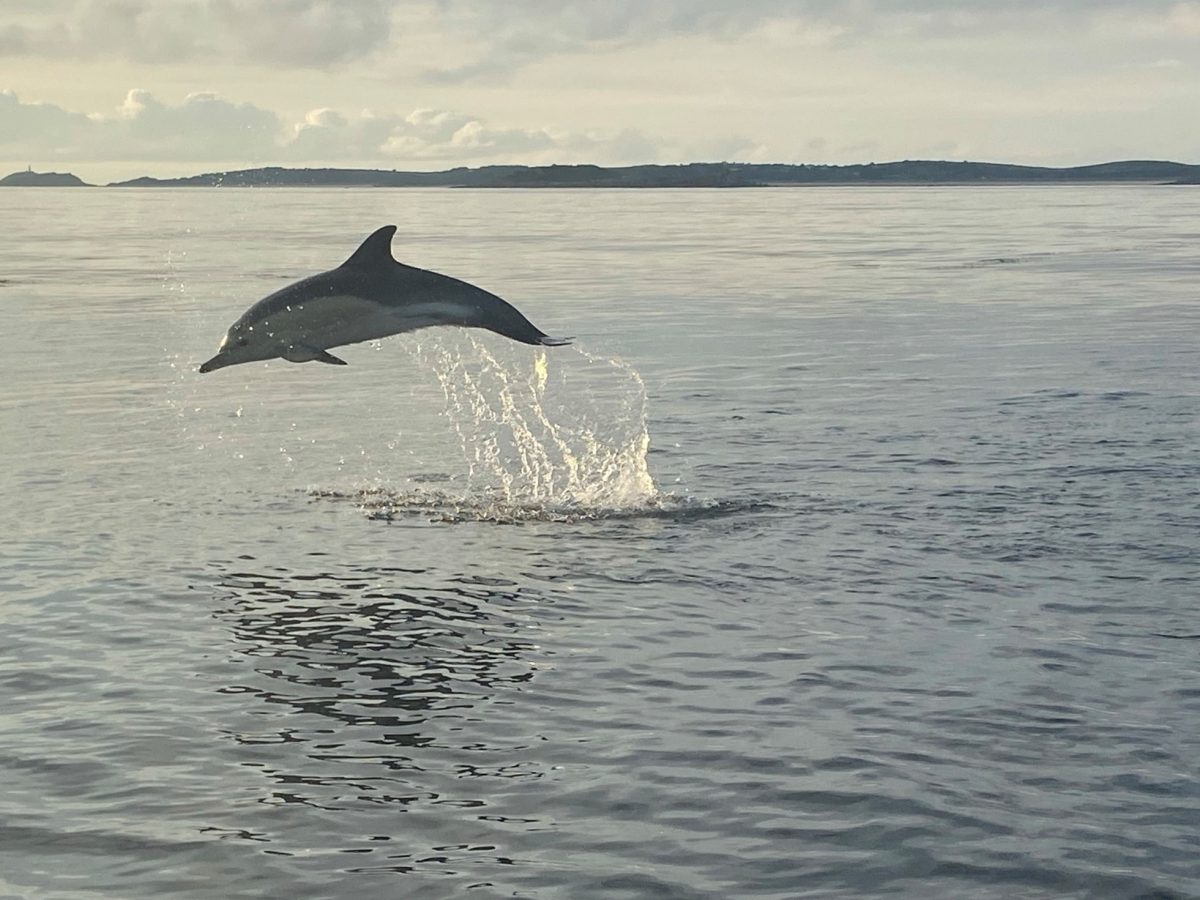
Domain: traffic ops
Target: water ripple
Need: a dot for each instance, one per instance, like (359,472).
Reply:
(387,505)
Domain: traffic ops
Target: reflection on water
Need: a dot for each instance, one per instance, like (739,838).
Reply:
(374,683)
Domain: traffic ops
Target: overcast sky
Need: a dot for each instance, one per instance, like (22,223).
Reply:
(114,88)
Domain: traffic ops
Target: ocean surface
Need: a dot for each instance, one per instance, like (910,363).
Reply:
(853,550)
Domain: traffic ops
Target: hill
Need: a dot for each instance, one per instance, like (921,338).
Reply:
(691,175)
(30,178)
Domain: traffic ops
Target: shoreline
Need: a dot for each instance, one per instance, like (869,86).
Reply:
(690,176)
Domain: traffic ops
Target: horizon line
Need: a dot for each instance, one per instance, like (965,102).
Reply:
(726,164)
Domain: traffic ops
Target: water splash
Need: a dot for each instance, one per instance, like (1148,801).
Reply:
(565,434)
(387,505)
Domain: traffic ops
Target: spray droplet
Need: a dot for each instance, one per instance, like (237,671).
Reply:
(529,441)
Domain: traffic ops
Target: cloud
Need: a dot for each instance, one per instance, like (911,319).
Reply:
(305,32)
(454,41)
(427,133)
(206,129)
(296,33)
(202,127)
(37,126)
(498,38)
(514,35)
(427,136)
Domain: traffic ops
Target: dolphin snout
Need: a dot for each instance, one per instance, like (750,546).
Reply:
(217,362)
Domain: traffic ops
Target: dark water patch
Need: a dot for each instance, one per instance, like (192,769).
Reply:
(1042,396)
(1117,396)
(364,688)
(1004,260)
(15,836)
(381,504)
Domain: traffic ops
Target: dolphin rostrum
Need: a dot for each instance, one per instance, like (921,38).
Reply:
(367,297)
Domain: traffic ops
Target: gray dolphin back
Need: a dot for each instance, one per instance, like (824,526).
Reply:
(377,274)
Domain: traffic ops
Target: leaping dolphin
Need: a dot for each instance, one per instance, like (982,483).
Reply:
(367,297)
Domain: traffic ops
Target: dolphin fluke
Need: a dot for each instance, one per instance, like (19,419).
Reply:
(369,296)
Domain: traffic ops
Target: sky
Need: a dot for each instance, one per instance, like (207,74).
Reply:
(112,89)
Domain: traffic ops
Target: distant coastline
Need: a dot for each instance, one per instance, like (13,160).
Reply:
(688,175)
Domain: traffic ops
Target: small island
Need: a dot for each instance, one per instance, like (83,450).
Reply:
(30,178)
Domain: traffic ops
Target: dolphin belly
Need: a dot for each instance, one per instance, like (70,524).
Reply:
(329,322)
(335,321)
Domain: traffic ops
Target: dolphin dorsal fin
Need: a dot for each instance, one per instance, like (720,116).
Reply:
(375,250)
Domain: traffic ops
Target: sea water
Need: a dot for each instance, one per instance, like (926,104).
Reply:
(851,550)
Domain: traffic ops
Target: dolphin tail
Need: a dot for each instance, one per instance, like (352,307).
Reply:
(476,308)
(531,336)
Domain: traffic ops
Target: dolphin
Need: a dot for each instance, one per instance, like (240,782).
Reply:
(367,297)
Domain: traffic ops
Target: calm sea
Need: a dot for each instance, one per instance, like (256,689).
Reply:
(853,550)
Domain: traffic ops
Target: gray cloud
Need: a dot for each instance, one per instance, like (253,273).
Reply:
(305,32)
(628,17)
(517,34)
(202,127)
(37,127)
(300,33)
(504,36)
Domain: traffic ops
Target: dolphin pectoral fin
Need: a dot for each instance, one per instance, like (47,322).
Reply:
(302,353)
(548,341)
